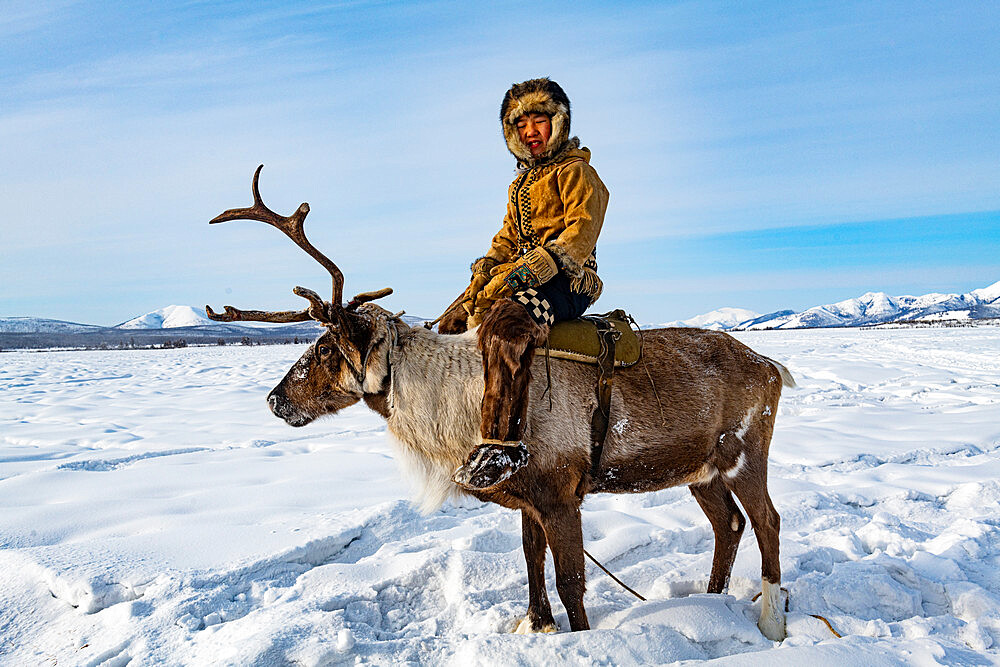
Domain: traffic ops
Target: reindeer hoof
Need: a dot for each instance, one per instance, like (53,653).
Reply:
(526,627)
(772,615)
(773,628)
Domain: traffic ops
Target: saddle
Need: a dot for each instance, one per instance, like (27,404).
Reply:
(607,341)
(582,339)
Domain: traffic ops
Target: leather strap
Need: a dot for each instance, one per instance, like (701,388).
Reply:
(501,443)
(601,418)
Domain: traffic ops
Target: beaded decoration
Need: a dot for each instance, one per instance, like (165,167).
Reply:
(527,237)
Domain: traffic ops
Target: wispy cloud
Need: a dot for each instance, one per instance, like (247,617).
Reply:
(130,125)
(21,17)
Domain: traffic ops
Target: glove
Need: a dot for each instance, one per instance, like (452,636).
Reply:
(481,269)
(476,295)
(532,269)
(483,266)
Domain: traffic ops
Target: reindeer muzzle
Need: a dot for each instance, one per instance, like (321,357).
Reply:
(283,408)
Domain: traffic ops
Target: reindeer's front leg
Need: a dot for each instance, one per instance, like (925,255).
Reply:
(539,616)
(564,532)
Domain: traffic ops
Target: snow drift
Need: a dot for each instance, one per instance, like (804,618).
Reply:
(153,511)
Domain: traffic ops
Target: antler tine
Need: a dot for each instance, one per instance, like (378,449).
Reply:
(318,310)
(291,226)
(365,297)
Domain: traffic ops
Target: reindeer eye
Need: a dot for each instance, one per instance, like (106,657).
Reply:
(324,351)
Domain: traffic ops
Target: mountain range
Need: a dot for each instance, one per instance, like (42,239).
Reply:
(172,326)
(869,309)
(171,317)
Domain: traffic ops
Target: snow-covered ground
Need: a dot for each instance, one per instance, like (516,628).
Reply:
(154,511)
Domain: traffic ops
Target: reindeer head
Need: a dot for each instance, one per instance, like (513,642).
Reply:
(341,366)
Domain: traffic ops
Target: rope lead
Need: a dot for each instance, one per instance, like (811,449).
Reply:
(617,580)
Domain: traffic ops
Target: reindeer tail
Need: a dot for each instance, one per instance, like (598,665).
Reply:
(786,376)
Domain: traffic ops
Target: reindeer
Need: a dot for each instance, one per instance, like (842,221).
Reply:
(709,426)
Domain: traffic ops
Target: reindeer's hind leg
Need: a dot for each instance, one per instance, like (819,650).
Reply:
(727,523)
(750,486)
(539,616)
(564,533)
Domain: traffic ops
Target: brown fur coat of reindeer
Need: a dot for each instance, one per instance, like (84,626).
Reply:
(709,426)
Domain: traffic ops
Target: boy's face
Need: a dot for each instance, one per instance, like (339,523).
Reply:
(534,129)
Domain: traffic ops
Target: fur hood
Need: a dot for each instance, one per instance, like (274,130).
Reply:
(537,96)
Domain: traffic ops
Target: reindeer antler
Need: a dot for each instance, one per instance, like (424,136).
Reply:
(291,226)
(318,310)
(365,297)
(237,315)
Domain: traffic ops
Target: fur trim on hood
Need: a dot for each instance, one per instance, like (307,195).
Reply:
(536,96)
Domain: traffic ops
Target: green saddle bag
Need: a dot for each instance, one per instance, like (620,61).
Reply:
(578,340)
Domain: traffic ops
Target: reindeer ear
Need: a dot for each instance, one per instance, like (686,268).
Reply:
(351,354)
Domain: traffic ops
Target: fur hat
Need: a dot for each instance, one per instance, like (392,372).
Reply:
(535,96)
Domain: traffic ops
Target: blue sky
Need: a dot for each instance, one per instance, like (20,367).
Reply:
(761,155)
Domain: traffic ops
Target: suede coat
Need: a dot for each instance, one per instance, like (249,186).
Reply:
(559,206)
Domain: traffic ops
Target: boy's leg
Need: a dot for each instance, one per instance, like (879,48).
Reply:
(509,335)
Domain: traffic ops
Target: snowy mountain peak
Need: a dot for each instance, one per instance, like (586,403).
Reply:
(170,317)
(868,304)
(989,294)
(723,318)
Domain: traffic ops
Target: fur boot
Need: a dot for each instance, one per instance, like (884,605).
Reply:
(508,338)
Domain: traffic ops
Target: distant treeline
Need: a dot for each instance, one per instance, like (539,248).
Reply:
(145,339)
